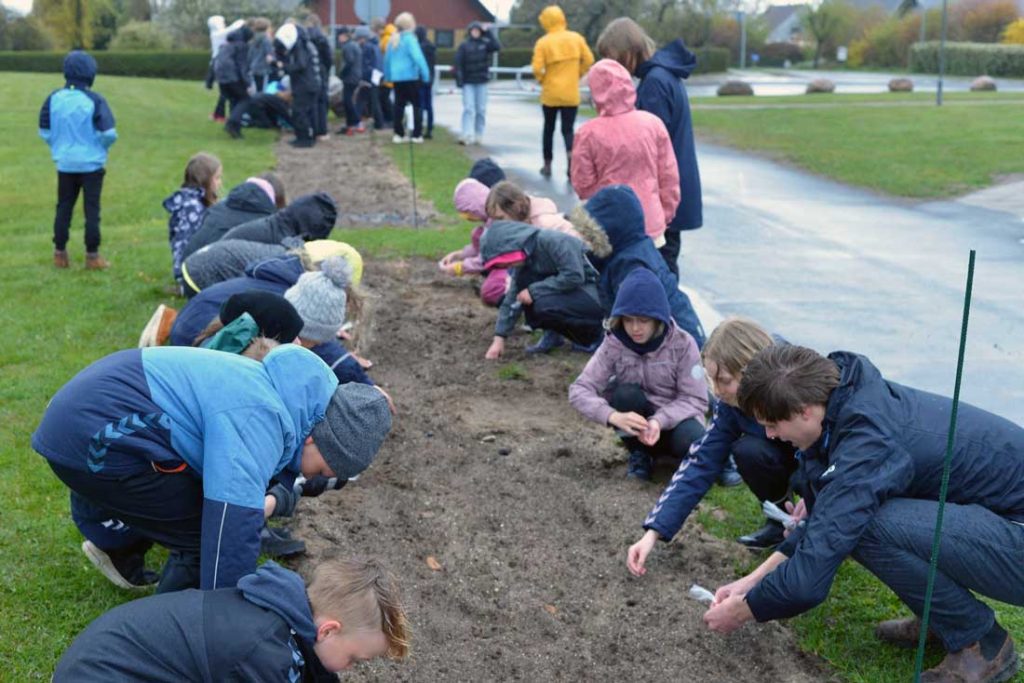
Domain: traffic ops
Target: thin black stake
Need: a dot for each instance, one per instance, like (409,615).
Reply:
(412,174)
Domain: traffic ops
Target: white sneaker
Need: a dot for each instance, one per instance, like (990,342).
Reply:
(418,141)
(397,139)
(102,561)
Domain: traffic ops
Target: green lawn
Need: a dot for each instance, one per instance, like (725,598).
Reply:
(900,149)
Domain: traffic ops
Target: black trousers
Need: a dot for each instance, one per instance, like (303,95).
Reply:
(408,92)
(303,105)
(68,187)
(568,115)
(427,105)
(234,93)
(348,100)
(765,466)
(670,250)
(675,442)
(260,80)
(369,105)
(384,100)
(160,507)
(320,113)
(575,315)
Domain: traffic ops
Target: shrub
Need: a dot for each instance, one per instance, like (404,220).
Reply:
(776,54)
(28,33)
(140,35)
(981,21)
(1014,33)
(179,65)
(709,59)
(970,59)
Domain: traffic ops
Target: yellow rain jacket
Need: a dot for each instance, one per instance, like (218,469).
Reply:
(385,43)
(559,60)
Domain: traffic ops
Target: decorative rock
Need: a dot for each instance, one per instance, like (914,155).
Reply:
(901,85)
(983,84)
(820,85)
(734,88)
(504,451)
(490,438)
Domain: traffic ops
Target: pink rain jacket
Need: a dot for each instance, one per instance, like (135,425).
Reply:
(626,146)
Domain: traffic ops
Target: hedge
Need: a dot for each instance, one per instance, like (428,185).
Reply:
(189,65)
(709,59)
(969,59)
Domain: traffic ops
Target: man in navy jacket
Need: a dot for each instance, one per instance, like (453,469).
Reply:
(872,453)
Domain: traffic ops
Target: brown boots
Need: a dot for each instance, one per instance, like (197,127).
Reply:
(903,632)
(93,260)
(60,258)
(969,665)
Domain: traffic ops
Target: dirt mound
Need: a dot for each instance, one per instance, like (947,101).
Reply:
(358,172)
(525,508)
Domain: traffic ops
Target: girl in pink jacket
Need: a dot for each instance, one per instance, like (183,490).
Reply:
(471,203)
(626,146)
(508,202)
(646,379)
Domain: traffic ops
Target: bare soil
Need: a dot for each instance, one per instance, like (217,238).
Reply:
(523,509)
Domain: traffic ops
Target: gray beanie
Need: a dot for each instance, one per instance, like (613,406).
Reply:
(353,428)
(319,297)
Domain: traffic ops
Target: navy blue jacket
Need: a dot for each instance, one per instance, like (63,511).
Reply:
(473,58)
(76,122)
(263,630)
(231,65)
(613,225)
(244,203)
(272,275)
(881,440)
(371,58)
(699,470)
(661,92)
(301,63)
(429,51)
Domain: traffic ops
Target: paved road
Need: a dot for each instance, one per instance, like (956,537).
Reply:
(832,267)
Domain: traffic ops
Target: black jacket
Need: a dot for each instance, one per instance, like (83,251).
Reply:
(263,630)
(473,58)
(324,53)
(231,65)
(262,110)
(310,217)
(244,203)
(881,440)
(429,51)
(352,64)
(301,63)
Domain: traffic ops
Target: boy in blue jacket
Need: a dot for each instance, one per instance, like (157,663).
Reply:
(872,452)
(77,124)
(271,627)
(177,446)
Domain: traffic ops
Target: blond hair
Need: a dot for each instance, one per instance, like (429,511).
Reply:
(733,344)
(405,21)
(363,596)
(626,42)
(510,200)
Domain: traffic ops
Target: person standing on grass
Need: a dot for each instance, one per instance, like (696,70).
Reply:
(427,89)
(78,125)
(261,51)
(325,57)
(871,456)
(472,72)
(231,67)
(406,67)
(560,59)
(302,64)
(351,74)
(369,96)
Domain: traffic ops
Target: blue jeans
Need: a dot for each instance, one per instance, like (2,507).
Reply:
(980,551)
(474,109)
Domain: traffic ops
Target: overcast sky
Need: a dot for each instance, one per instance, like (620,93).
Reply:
(499,7)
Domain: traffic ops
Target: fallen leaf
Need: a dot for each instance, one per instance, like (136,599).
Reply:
(551,609)
(433,563)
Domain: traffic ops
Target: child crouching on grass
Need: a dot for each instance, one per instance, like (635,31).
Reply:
(188,205)
(271,627)
(646,379)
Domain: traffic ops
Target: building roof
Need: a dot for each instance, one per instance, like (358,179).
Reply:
(775,15)
(448,14)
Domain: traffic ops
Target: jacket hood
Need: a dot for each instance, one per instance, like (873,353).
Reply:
(305,385)
(674,57)
(552,19)
(287,35)
(183,194)
(473,25)
(79,69)
(241,35)
(611,88)
(215,23)
(642,294)
(487,172)
(504,237)
(251,198)
(364,33)
(283,270)
(611,220)
(855,371)
(282,591)
(314,214)
(471,197)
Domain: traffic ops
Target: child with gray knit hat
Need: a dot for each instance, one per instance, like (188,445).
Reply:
(320,297)
(353,429)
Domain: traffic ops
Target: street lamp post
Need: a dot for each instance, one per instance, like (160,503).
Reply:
(942,54)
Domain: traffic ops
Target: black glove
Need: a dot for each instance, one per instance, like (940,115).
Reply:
(317,485)
(286,500)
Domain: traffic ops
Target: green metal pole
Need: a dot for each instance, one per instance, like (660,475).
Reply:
(942,53)
(944,488)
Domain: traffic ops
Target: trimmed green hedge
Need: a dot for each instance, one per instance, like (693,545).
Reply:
(969,59)
(709,59)
(186,65)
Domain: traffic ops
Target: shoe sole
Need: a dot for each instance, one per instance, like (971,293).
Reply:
(1009,672)
(101,561)
(151,332)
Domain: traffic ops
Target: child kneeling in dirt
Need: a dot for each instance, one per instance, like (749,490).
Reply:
(550,280)
(646,379)
(271,627)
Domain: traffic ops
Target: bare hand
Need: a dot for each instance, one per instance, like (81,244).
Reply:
(728,615)
(496,348)
(448,268)
(450,258)
(631,423)
(739,587)
(651,434)
(797,512)
(524,298)
(637,554)
(364,363)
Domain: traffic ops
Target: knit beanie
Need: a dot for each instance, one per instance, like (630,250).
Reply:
(487,172)
(320,299)
(275,317)
(265,186)
(318,250)
(354,426)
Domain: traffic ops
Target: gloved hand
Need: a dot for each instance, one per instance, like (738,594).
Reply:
(286,499)
(317,485)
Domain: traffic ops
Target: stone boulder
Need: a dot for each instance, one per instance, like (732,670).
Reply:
(901,85)
(983,84)
(734,88)
(820,85)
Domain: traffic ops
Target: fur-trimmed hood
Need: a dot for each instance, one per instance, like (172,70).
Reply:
(610,220)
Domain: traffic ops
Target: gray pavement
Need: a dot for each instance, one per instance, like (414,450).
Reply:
(830,266)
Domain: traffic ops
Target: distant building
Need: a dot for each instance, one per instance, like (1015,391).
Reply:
(446,20)
(785,23)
